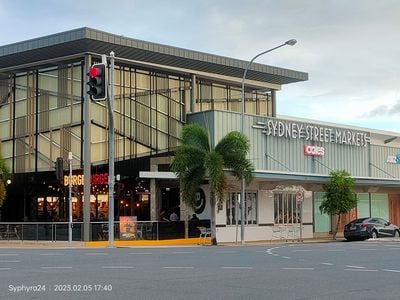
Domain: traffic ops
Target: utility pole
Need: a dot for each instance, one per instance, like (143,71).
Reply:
(111,179)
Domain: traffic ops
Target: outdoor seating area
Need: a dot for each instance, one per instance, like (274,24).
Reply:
(204,234)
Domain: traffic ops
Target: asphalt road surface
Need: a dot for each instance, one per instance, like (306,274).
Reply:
(357,270)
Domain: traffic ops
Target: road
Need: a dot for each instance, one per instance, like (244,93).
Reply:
(358,270)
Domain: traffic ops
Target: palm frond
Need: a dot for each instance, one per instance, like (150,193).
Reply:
(215,165)
(195,135)
(234,148)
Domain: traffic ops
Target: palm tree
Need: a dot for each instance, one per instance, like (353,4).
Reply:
(196,159)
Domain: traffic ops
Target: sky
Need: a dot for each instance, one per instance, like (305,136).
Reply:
(350,49)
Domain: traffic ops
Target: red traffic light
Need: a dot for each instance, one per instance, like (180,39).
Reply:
(97,82)
(93,72)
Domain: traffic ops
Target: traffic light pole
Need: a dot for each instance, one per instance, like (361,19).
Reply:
(111,179)
(70,198)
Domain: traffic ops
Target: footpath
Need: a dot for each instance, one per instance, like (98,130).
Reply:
(148,243)
(190,242)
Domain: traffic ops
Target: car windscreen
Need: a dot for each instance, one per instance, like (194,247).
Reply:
(359,220)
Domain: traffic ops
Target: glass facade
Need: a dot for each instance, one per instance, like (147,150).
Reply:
(41,113)
(221,96)
(234,207)
(41,119)
(149,111)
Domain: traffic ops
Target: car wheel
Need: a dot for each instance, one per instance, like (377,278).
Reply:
(374,234)
(396,233)
(349,239)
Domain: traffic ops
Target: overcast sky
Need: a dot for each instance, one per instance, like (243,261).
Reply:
(349,48)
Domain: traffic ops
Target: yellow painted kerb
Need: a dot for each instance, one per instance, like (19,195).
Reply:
(176,242)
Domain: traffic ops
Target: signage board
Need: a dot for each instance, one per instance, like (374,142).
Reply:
(313,132)
(314,150)
(128,228)
(300,196)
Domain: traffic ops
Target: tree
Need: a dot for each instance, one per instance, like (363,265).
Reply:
(4,176)
(196,160)
(339,197)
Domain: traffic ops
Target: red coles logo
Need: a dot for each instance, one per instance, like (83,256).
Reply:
(314,150)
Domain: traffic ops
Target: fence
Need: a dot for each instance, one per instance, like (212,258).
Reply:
(58,231)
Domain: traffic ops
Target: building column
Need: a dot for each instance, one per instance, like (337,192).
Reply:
(273,96)
(153,200)
(193,94)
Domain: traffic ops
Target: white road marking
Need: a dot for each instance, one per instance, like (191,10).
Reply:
(9,254)
(237,268)
(48,268)
(388,270)
(97,253)
(117,267)
(327,264)
(355,267)
(287,257)
(51,254)
(361,270)
(302,250)
(297,268)
(368,249)
(10,261)
(5,269)
(178,267)
(336,250)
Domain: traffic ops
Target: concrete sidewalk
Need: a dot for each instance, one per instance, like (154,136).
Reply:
(146,243)
(191,242)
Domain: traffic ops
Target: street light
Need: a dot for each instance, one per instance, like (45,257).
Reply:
(242,188)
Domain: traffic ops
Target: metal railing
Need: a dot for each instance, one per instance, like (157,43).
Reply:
(58,231)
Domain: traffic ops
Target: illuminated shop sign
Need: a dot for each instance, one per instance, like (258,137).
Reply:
(315,133)
(314,150)
(95,179)
(393,159)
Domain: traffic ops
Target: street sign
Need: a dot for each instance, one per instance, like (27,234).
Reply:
(300,196)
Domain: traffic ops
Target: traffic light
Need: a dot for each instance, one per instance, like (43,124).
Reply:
(97,82)
(59,164)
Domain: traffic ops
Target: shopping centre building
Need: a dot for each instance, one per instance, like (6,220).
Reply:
(45,113)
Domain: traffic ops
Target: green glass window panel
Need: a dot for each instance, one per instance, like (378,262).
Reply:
(162,103)
(175,110)
(143,114)
(162,141)
(162,122)
(5,131)
(174,83)
(362,205)
(321,221)
(20,108)
(380,206)
(219,92)
(142,81)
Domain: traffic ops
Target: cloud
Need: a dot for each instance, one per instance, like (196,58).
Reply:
(384,110)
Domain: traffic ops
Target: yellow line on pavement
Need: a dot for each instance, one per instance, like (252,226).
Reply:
(175,242)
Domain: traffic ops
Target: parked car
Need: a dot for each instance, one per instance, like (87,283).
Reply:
(365,228)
